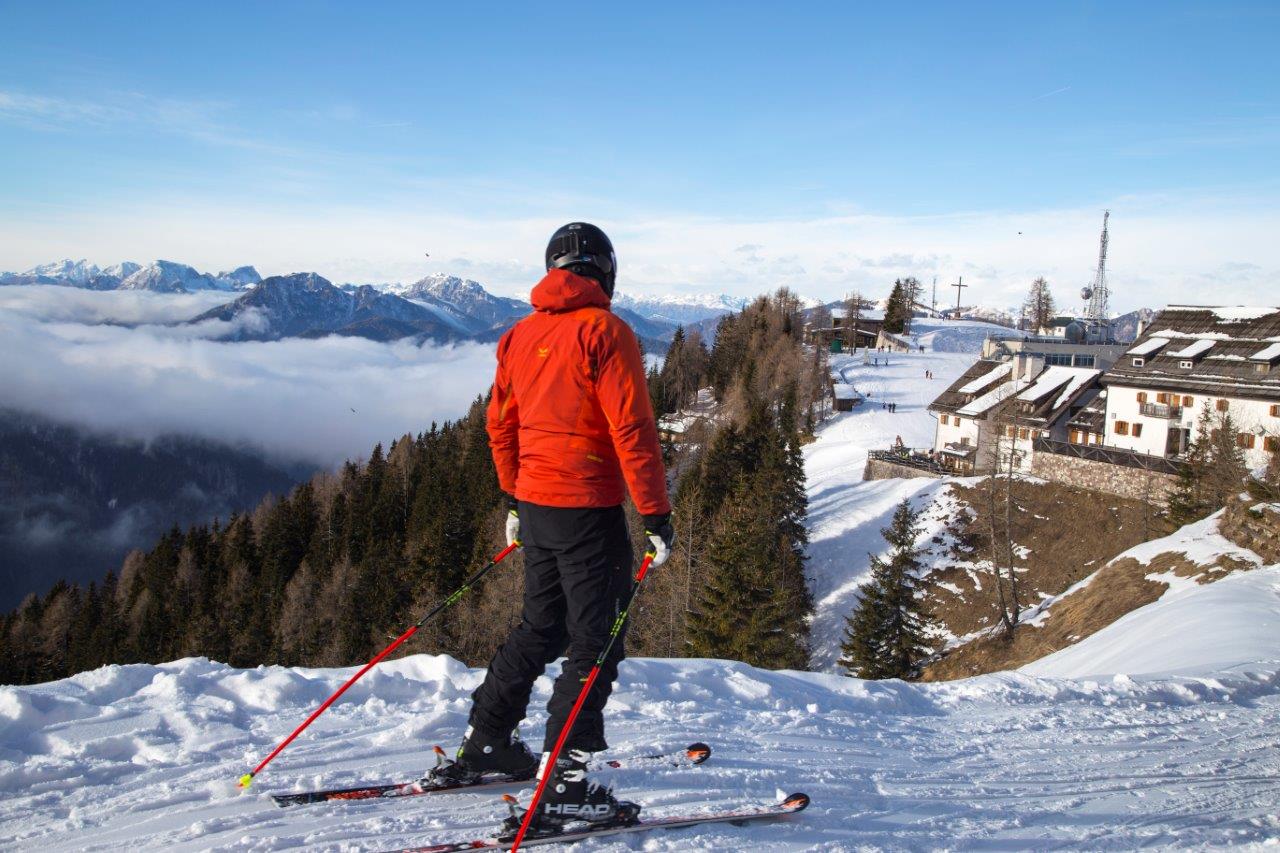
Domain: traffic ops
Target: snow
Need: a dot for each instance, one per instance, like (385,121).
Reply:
(1149,346)
(1055,377)
(843,391)
(1198,347)
(1271,353)
(999,372)
(1195,630)
(1236,313)
(846,513)
(1200,542)
(997,395)
(145,757)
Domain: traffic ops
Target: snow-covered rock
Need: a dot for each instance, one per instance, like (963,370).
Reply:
(239,278)
(171,277)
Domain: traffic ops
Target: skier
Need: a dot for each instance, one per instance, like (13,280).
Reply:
(569,424)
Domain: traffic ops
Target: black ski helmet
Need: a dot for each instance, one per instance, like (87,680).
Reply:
(585,250)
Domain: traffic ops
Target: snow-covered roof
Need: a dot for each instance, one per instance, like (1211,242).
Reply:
(1055,377)
(1193,349)
(999,394)
(1149,346)
(844,391)
(1271,353)
(976,385)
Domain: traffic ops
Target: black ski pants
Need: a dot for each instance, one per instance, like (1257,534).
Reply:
(577,575)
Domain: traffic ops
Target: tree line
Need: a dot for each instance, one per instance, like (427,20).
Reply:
(320,576)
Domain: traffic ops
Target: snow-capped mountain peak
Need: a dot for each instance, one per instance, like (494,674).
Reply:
(79,272)
(171,277)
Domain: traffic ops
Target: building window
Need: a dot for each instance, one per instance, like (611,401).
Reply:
(1122,427)
(1059,358)
(1188,402)
(1142,396)
(1186,365)
(1010,431)
(1275,411)
(1244,441)
(1162,398)
(1138,362)
(964,441)
(1024,434)
(1137,430)
(1223,405)
(1084,361)
(946,419)
(1272,444)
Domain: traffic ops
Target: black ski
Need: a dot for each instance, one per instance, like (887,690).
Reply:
(791,805)
(694,753)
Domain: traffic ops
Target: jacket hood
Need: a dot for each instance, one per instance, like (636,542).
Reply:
(561,290)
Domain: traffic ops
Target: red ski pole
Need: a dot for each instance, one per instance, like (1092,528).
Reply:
(247,778)
(590,680)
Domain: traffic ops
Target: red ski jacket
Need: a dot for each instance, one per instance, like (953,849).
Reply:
(570,419)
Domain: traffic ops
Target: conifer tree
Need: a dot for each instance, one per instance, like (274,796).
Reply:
(885,636)
(897,311)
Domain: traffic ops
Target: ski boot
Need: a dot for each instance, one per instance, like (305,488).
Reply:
(571,796)
(483,755)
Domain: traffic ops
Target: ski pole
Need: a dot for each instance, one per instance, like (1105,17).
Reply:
(588,682)
(247,778)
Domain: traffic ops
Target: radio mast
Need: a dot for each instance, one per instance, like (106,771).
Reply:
(1096,294)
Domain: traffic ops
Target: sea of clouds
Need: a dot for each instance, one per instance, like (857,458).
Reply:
(113,363)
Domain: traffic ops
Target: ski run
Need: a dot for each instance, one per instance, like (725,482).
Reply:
(1162,730)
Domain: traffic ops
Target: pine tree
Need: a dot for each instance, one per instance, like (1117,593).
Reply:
(1039,308)
(886,635)
(897,311)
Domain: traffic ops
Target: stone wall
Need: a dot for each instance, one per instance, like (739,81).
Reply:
(880,469)
(1134,483)
(1253,525)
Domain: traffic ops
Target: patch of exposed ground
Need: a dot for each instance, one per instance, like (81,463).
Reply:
(1061,535)
(1115,590)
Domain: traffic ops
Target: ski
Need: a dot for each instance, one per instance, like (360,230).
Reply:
(791,805)
(694,753)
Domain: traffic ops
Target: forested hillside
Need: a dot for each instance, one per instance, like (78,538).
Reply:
(76,501)
(320,576)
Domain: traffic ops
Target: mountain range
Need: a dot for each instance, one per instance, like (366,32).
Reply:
(157,276)
(438,307)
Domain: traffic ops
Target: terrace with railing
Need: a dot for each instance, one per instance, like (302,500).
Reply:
(1110,455)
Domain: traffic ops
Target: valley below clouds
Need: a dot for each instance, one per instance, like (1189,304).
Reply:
(112,363)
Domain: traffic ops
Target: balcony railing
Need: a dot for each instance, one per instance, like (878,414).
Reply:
(1160,410)
(1110,455)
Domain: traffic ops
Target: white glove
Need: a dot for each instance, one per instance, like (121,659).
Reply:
(660,551)
(661,536)
(513,527)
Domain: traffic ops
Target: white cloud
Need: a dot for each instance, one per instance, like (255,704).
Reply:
(293,398)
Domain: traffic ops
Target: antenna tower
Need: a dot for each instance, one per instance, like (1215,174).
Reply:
(1098,310)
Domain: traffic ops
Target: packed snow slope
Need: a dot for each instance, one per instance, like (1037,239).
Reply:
(847,513)
(146,757)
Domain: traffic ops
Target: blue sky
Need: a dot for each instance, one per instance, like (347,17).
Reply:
(728,146)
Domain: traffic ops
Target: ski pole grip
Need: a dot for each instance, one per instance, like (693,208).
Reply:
(644,565)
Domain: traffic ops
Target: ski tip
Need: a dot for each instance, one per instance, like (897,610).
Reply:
(795,802)
(508,798)
(438,750)
(698,752)
(245,781)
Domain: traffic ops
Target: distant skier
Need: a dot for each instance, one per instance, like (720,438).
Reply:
(569,424)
